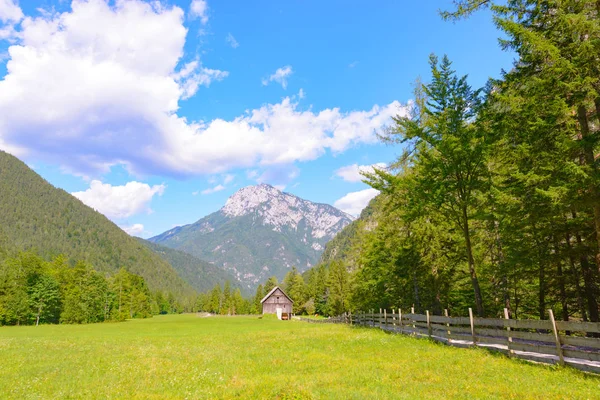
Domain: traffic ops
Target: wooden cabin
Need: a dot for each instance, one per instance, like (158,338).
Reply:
(279,303)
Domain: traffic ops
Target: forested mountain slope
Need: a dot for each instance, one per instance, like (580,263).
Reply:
(34,215)
(202,275)
(345,246)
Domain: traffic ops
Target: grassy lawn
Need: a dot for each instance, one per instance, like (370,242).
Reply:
(186,356)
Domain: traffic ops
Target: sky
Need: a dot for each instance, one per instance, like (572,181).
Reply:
(154,113)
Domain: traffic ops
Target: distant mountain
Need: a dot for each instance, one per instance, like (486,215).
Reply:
(202,275)
(34,215)
(260,232)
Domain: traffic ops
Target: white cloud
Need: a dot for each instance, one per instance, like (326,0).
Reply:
(231,40)
(199,9)
(10,15)
(354,202)
(212,190)
(100,86)
(353,64)
(118,202)
(192,75)
(228,179)
(280,76)
(352,173)
(10,12)
(301,94)
(134,230)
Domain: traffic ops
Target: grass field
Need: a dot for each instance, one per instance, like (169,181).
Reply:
(185,356)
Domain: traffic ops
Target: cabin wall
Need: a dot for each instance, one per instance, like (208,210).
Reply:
(277,300)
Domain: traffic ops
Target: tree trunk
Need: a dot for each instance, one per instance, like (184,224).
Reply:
(588,153)
(542,290)
(416,289)
(588,282)
(577,279)
(561,282)
(471,261)
(505,284)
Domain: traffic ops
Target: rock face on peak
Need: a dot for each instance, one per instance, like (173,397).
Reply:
(260,232)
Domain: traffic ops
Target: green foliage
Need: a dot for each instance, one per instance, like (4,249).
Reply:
(33,291)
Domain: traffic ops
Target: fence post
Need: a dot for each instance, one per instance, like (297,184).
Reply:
(400,319)
(448,325)
(472,326)
(561,359)
(384,318)
(428,324)
(379,318)
(393,318)
(509,337)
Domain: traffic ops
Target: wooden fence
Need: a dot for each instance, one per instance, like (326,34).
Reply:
(572,343)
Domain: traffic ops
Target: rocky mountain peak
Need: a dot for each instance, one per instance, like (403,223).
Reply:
(248,199)
(280,210)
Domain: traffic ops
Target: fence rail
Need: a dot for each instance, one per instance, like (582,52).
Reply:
(572,343)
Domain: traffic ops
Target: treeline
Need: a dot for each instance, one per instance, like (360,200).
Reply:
(34,291)
(495,201)
(224,301)
(320,290)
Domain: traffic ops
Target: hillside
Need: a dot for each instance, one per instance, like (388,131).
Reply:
(34,215)
(345,246)
(201,275)
(260,232)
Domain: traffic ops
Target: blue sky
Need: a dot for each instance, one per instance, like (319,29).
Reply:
(156,114)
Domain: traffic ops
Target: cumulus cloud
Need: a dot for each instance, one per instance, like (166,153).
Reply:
(10,15)
(212,190)
(354,202)
(231,40)
(100,86)
(280,76)
(352,173)
(199,9)
(118,202)
(133,230)
(10,12)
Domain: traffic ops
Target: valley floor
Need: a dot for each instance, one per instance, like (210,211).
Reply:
(185,356)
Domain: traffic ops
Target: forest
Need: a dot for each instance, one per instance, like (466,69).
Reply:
(494,201)
(34,291)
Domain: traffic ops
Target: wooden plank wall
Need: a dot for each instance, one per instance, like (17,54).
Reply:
(572,343)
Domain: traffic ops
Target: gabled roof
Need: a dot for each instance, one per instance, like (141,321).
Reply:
(273,290)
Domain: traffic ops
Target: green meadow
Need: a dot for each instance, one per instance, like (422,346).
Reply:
(187,356)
